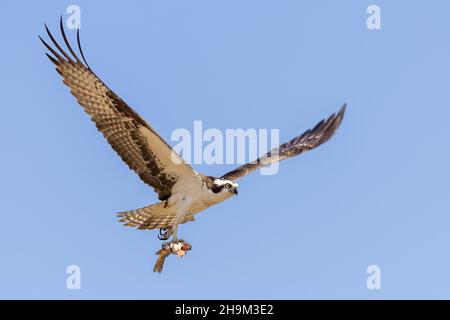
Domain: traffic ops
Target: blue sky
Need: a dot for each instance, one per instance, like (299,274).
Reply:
(376,194)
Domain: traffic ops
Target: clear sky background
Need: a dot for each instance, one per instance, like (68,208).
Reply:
(376,194)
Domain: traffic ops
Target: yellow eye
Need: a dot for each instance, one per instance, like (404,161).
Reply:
(228,186)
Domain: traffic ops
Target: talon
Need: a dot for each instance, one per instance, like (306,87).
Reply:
(165,233)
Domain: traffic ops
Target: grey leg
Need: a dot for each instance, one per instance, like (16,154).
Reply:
(175,233)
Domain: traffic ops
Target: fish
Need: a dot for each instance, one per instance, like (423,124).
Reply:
(177,247)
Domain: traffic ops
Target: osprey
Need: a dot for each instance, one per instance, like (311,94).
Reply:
(182,191)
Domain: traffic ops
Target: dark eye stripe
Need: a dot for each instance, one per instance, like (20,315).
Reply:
(217,189)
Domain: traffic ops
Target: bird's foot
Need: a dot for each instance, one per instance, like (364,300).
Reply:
(165,233)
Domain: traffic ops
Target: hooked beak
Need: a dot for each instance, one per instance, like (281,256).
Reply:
(235,191)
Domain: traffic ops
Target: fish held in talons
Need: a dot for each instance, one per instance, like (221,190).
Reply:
(176,247)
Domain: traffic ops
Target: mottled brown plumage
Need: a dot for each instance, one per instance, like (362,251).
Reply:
(183,192)
(139,146)
(309,140)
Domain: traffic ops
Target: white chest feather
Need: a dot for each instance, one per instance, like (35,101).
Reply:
(193,196)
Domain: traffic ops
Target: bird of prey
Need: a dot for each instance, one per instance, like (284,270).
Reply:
(182,191)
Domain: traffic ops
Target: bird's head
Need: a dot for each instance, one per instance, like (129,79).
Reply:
(222,186)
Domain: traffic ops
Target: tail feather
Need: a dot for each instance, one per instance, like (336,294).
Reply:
(157,215)
(163,254)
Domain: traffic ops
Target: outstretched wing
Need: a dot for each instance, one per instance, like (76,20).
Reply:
(139,146)
(311,139)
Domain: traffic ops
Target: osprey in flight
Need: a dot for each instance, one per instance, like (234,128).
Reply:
(182,191)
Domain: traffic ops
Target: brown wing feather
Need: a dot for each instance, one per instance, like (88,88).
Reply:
(139,146)
(310,139)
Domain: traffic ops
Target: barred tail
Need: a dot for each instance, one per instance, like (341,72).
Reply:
(157,215)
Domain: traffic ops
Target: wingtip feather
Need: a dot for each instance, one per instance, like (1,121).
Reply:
(342,110)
